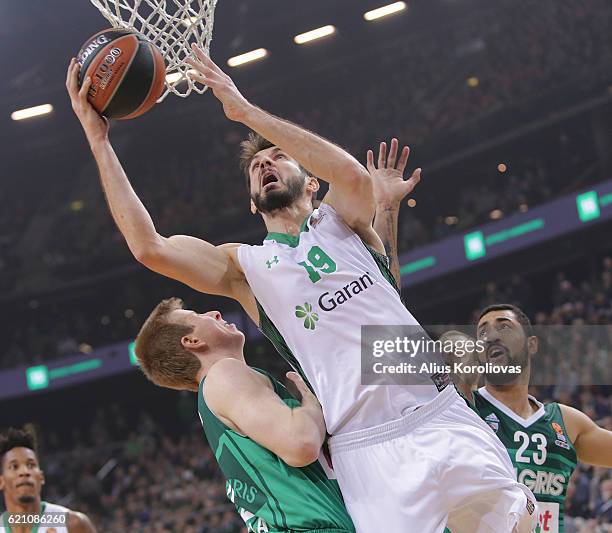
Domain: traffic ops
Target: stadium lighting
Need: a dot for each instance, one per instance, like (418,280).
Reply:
(247,57)
(383,11)
(30,112)
(312,35)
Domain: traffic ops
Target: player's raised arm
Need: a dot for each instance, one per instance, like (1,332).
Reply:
(197,263)
(593,443)
(350,190)
(390,189)
(239,395)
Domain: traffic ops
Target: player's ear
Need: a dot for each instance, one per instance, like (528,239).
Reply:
(1,482)
(253,208)
(193,343)
(532,345)
(42,478)
(312,183)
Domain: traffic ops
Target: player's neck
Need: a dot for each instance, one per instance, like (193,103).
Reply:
(29,508)
(515,396)
(207,363)
(288,220)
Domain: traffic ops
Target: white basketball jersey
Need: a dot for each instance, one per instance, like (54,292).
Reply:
(49,522)
(315,291)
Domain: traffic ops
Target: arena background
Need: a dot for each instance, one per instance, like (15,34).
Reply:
(507,107)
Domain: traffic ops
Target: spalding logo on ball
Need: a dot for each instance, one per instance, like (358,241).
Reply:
(127,73)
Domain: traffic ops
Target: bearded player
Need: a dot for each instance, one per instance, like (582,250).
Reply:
(544,440)
(403,455)
(21,481)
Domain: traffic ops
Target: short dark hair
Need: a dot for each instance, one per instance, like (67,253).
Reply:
(16,438)
(249,148)
(522,318)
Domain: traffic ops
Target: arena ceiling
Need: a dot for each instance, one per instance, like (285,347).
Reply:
(39,36)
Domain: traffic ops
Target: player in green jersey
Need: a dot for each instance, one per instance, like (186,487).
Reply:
(21,481)
(313,263)
(266,442)
(544,441)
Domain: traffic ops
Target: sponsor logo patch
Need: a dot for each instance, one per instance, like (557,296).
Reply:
(315,220)
(561,439)
(493,422)
(530,506)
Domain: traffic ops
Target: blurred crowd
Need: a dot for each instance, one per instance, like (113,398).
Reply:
(150,469)
(69,283)
(429,88)
(154,480)
(575,332)
(141,478)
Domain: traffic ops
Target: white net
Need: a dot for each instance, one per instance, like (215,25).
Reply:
(172,25)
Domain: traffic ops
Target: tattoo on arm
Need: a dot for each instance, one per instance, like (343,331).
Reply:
(385,224)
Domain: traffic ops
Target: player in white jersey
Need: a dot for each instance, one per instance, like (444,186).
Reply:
(403,454)
(21,481)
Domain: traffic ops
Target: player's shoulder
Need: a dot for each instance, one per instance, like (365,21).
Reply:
(572,416)
(232,251)
(79,523)
(55,508)
(227,371)
(229,375)
(568,412)
(76,521)
(229,384)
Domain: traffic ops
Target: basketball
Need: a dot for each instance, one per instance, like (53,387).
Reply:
(127,73)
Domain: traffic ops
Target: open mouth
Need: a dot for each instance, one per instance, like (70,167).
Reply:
(25,484)
(495,352)
(268,179)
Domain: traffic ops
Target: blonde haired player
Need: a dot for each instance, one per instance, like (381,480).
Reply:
(403,454)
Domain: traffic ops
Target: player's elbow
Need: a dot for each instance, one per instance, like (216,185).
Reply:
(357,175)
(302,452)
(149,254)
(145,255)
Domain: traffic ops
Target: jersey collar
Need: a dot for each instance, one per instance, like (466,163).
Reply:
(525,422)
(285,238)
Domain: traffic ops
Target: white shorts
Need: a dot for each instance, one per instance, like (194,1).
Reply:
(439,465)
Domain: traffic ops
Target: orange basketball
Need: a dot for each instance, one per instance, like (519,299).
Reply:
(127,73)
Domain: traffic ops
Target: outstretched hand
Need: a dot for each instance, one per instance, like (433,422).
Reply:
(206,71)
(390,187)
(95,126)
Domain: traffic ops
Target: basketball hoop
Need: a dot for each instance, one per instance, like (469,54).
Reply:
(172,25)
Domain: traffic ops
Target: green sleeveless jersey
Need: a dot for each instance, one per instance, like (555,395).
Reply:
(541,451)
(269,495)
